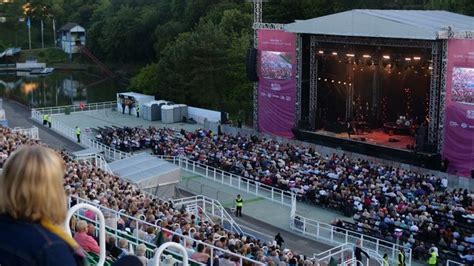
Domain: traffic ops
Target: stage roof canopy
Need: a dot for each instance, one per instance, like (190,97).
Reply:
(399,24)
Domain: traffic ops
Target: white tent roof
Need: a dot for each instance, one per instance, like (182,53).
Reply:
(146,171)
(400,24)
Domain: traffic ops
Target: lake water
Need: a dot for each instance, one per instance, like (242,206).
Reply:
(58,88)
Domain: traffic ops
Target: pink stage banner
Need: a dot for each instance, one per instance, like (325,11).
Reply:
(277,82)
(458,145)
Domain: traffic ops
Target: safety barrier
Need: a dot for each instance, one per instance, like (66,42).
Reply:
(31,133)
(162,248)
(94,159)
(113,216)
(454,263)
(345,255)
(213,209)
(55,110)
(249,186)
(340,236)
(86,141)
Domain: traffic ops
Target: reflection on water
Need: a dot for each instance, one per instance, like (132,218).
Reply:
(59,88)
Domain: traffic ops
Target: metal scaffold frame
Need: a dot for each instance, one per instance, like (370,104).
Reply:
(433,114)
(313,84)
(257,19)
(299,70)
(442,97)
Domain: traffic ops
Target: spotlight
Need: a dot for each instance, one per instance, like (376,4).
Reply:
(339,82)
(366,56)
(334,53)
(319,78)
(386,57)
(350,55)
(332,81)
(416,58)
(345,83)
(430,67)
(320,52)
(407,59)
(325,79)
(350,84)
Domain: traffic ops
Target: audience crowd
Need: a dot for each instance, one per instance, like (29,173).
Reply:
(83,180)
(381,198)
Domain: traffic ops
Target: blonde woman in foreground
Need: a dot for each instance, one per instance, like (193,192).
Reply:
(33,210)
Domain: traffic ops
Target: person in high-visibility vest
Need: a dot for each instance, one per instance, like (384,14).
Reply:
(385,260)
(78,134)
(432,260)
(401,257)
(45,119)
(138,111)
(239,202)
(50,120)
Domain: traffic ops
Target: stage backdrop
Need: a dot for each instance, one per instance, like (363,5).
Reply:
(277,82)
(459,113)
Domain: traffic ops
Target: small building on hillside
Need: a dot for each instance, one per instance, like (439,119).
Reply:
(71,36)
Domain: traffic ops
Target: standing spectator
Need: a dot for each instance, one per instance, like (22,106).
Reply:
(239,202)
(358,252)
(33,210)
(279,240)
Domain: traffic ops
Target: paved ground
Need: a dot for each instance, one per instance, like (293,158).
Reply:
(19,116)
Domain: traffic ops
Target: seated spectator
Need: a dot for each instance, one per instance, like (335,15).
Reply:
(86,241)
(140,253)
(33,208)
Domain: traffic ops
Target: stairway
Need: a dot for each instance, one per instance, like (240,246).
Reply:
(94,59)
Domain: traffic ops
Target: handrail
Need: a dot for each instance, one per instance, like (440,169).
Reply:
(77,107)
(215,206)
(97,159)
(186,238)
(454,263)
(164,246)
(69,132)
(338,235)
(79,206)
(249,186)
(31,133)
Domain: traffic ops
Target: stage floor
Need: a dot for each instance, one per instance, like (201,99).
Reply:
(375,137)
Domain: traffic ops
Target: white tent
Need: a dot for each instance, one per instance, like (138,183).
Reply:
(149,173)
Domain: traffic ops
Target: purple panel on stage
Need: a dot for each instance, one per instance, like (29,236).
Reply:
(277,82)
(459,113)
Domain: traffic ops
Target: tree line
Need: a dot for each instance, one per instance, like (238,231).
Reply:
(192,51)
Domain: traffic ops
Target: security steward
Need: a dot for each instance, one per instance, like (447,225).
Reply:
(45,119)
(78,134)
(432,260)
(401,257)
(50,120)
(138,111)
(239,202)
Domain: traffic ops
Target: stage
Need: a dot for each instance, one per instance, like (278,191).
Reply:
(374,144)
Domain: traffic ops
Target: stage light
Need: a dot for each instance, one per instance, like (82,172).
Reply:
(345,83)
(332,81)
(319,78)
(350,84)
(407,59)
(386,57)
(416,58)
(325,79)
(366,56)
(334,53)
(399,73)
(350,55)
(430,67)
(339,82)
(361,69)
(320,52)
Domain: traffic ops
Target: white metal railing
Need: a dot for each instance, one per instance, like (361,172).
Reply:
(162,248)
(95,159)
(454,263)
(214,209)
(70,133)
(54,110)
(249,186)
(132,241)
(345,253)
(114,216)
(31,133)
(338,236)
(100,215)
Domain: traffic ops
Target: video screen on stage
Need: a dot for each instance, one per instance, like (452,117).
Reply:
(276,65)
(463,85)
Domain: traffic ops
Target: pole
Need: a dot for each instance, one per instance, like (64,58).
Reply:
(29,32)
(54,31)
(42,34)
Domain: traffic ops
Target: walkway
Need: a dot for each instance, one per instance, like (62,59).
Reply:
(19,116)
